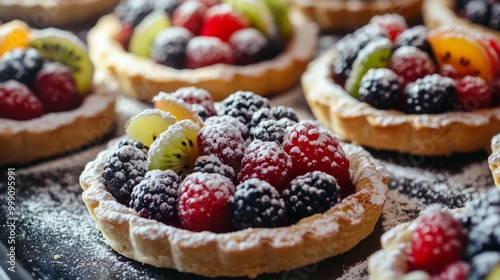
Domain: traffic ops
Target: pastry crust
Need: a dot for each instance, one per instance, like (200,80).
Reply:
(442,12)
(58,133)
(431,135)
(55,13)
(494,159)
(348,15)
(142,78)
(247,252)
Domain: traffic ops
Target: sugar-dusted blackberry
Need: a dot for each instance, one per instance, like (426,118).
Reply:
(415,36)
(224,119)
(312,193)
(169,46)
(477,11)
(256,204)
(484,237)
(212,164)
(156,196)
(483,264)
(123,170)
(263,114)
(494,22)
(132,12)
(20,65)
(280,112)
(242,105)
(269,131)
(168,6)
(249,46)
(485,205)
(432,94)
(380,88)
(137,144)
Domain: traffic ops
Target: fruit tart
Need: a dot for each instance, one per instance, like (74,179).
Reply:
(347,15)
(409,90)
(494,159)
(480,15)
(244,190)
(443,244)
(50,100)
(221,46)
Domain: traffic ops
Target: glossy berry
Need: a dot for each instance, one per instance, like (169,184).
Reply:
(242,105)
(222,21)
(454,271)
(206,51)
(270,131)
(416,37)
(199,96)
(432,94)
(483,264)
(17,102)
(312,193)
(20,65)
(437,241)
(55,87)
(268,162)
(212,164)
(169,47)
(156,196)
(477,11)
(256,204)
(249,46)
(393,24)
(473,93)
(132,12)
(380,88)
(204,202)
(189,15)
(410,64)
(225,119)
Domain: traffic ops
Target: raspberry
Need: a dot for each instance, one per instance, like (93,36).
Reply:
(312,193)
(477,11)
(268,162)
(222,21)
(189,15)
(169,46)
(473,93)
(199,96)
(484,237)
(204,202)
(123,170)
(483,264)
(224,119)
(206,51)
(437,241)
(20,65)
(393,24)
(55,87)
(242,105)
(314,148)
(432,94)
(416,37)
(209,3)
(223,141)
(156,196)
(270,131)
(17,102)
(380,88)
(410,64)
(257,204)
(249,46)
(212,164)
(447,70)
(454,271)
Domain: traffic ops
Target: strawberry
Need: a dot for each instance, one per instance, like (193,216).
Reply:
(222,21)
(17,102)
(190,16)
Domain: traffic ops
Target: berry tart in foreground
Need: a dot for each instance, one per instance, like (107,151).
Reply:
(50,100)
(221,46)
(441,244)
(244,190)
(347,15)
(411,90)
(480,15)
(494,159)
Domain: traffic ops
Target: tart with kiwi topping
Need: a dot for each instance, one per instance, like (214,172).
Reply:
(239,191)
(409,90)
(221,46)
(50,100)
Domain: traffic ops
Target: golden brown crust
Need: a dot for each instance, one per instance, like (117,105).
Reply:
(142,78)
(494,159)
(246,252)
(355,121)
(442,12)
(348,15)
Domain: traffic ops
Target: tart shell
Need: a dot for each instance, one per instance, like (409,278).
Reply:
(247,252)
(494,159)
(142,78)
(430,135)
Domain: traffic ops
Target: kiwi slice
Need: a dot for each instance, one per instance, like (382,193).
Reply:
(146,126)
(257,13)
(146,31)
(176,148)
(279,10)
(66,48)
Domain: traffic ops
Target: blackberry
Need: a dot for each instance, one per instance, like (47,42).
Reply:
(486,205)
(132,12)
(494,22)
(269,131)
(137,144)
(20,65)
(280,112)
(212,164)
(256,204)
(232,121)
(415,36)
(483,264)
(477,11)
(242,105)
(249,46)
(380,88)
(432,94)
(156,196)
(483,237)
(123,170)
(169,46)
(263,114)
(313,193)
(168,6)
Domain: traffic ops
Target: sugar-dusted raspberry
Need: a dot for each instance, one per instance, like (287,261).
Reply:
(380,88)
(194,95)
(249,46)
(437,241)
(257,204)
(210,3)
(268,162)
(312,193)
(454,271)
(393,24)
(17,102)
(270,130)
(169,46)
(156,196)
(204,202)
(20,65)
(242,105)
(432,94)
(482,265)
(411,63)
(473,93)
(416,37)
(313,148)
(206,51)
(447,70)
(224,119)
(190,15)
(222,21)
(212,164)
(223,141)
